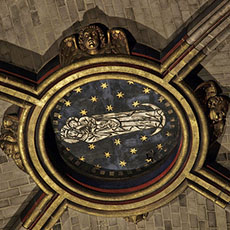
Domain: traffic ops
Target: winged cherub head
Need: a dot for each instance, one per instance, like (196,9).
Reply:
(91,39)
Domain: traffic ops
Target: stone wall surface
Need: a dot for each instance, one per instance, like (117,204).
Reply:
(189,211)
(36,25)
(29,29)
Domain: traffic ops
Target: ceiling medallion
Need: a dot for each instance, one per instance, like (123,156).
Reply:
(108,134)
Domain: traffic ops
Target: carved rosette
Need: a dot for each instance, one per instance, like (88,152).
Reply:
(9,139)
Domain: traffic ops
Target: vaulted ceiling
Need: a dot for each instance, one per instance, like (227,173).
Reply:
(30,33)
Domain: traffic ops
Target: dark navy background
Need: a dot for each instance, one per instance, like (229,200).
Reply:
(132,92)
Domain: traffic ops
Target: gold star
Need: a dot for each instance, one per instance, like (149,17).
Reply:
(144,138)
(133,151)
(161,99)
(104,85)
(68,149)
(109,108)
(107,154)
(91,146)
(168,134)
(94,99)
(130,82)
(170,111)
(148,160)
(59,116)
(67,103)
(159,146)
(78,90)
(97,166)
(83,112)
(146,90)
(136,103)
(117,142)
(120,95)
(82,158)
(167,104)
(122,163)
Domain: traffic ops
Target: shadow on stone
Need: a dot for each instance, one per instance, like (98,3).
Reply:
(32,61)
(15,222)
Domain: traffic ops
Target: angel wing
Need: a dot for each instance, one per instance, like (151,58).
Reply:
(68,50)
(118,41)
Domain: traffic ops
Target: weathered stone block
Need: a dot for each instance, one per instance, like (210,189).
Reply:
(3,185)
(202,225)
(6,22)
(112,221)
(18,200)
(74,220)
(182,200)
(27,188)
(60,2)
(113,227)
(4,203)
(18,182)
(211,219)
(72,8)
(193,221)
(184,214)
(80,5)
(35,18)
(168,225)
(84,220)
(3,159)
(176,220)
(201,212)
(10,211)
(129,13)
(210,205)
(9,193)
(158,220)
(166,212)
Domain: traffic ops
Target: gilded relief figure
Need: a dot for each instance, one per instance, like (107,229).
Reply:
(98,127)
(8,139)
(216,107)
(136,219)
(92,40)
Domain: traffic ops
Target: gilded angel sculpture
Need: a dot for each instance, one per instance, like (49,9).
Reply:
(92,41)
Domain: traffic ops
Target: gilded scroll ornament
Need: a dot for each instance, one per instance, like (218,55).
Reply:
(92,40)
(215,105)
(8,139)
